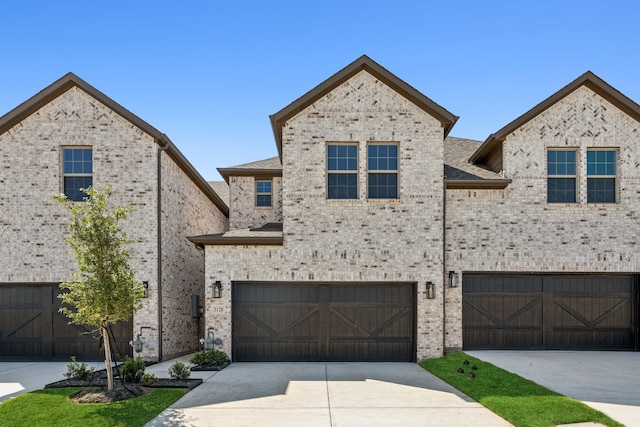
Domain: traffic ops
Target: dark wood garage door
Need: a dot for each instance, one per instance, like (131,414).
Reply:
(31,327)
(548,312)
(324,322)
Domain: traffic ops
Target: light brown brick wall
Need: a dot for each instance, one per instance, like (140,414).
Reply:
(243,212)
(186,211)
(35,227)
(360,240)
(516,230)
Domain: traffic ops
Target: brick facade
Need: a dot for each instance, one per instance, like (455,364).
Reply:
(351,240)
(124,155)
(245,213)
(516,230)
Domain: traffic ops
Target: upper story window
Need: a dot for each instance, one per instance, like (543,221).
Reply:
(77,172)
(601,176)
(342,171)
(382,165)
(561,176)
(263,193)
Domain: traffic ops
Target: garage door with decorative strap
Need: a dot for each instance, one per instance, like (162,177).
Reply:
(577,312)
(31,327)
(323,322)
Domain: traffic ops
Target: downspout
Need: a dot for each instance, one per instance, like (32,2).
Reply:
(444,264)
(163,146)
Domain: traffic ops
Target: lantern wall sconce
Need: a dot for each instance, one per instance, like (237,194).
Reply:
(137,344)
(453,279)
(145,284)
(217,289)
(431,290)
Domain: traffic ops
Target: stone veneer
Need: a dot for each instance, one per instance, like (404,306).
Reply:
(245,213)
(350,240)
(516,230)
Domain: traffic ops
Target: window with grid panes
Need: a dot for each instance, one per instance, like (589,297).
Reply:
(601,176)
(382,167)
(561,176)
(77,172)
(342,171)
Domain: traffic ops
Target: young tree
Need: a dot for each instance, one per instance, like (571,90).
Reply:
(103,290)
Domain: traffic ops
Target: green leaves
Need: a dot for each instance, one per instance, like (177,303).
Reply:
(104,289)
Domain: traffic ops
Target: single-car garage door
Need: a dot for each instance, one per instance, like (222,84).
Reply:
(31,327)
(577,312)
(323,322)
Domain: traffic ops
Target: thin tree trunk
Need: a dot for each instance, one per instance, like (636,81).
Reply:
(107,360)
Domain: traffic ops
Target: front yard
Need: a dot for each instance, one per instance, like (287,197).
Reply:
(519,401)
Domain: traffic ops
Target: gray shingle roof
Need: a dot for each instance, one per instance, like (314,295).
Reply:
(456,165)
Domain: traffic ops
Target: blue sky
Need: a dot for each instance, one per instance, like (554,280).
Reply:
(209,73)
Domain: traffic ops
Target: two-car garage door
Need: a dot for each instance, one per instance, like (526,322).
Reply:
(31,327)
(577,312)
(324,322)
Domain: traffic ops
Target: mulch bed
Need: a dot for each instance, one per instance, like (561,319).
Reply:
(96,387)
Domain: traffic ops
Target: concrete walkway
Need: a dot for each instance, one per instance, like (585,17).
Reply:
(327,395)
(605,380)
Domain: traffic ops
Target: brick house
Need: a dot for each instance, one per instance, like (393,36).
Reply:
(374,235)
(64,138)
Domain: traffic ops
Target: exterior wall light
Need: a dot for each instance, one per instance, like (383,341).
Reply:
(138,343)
(217,289)
(453,279)
(146,289)
(431,290)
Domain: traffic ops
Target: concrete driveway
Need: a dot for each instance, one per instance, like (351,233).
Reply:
(605,380)
(22,377)
(327,395)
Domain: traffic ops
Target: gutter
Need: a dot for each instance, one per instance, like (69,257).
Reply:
(164,145)
(444,265)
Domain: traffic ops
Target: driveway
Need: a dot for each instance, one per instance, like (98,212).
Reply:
(605,380)
(325,394)
(22,377)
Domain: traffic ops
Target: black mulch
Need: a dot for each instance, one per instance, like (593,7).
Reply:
(99,378)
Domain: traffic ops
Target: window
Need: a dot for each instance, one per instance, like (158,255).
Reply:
(77,170)
(382,164)
(561,176)
(263,193)
(342,171)
(601,176)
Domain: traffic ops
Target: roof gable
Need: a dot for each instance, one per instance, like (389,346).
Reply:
(363,63)
(589,80)
(69,81)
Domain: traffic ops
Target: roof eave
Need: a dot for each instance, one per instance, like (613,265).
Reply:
(588,79)
(446,118)
(256,172)
(218,240)
(476,184)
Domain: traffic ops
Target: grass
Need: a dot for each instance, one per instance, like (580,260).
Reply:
(519,401)
(52,407)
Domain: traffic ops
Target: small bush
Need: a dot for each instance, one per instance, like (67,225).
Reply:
(179,371)
(148,379)
(210,357)
(78,371)
(133,369)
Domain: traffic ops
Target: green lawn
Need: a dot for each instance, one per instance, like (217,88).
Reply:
(52,407)
(520,401)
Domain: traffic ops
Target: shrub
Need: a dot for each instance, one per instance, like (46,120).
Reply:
(78,371)
(210,357)
(179,371)
(133,369)
(148,379)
